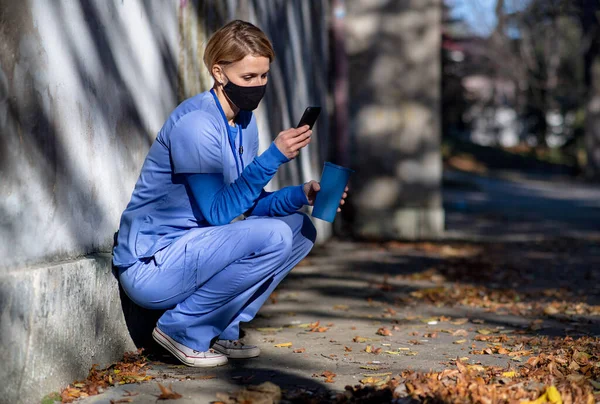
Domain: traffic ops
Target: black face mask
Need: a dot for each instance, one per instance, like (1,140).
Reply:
(246,98)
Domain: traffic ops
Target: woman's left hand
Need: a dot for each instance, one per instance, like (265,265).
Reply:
(312,188)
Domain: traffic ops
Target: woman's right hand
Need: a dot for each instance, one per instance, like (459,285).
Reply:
(290,141)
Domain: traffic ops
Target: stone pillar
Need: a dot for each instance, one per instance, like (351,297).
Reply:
(395,93)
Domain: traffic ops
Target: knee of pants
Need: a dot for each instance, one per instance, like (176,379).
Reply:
(279,234)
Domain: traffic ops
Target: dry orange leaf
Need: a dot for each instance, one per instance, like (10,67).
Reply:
(384,331)
(299,350)
(347,349)
(167,393)
(314,327)
(328,376)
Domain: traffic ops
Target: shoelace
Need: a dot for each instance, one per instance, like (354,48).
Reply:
(200,352)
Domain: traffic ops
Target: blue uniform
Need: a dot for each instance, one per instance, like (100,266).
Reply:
(176,249)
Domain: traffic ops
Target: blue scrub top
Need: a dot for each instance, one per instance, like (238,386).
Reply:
(194,139)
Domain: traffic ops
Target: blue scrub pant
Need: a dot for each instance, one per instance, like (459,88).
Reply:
(214,277)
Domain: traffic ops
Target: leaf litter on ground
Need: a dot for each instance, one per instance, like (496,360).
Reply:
(131,369)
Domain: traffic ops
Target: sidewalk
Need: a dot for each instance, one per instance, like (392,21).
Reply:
(366,313)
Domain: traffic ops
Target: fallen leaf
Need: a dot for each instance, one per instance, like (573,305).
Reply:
(370,367)
(553,395)
(460,341)
(372,380)
(347,349)
(460,321)
(283,345)
(484,331)
(329,376)
(269,329)
(384,331)
(364,339)
(299,350)
(167,393)
(460,333)
(574,377)
(511,373)
(377,374)
(314,327)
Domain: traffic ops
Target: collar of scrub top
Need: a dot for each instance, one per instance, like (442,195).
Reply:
(230,136)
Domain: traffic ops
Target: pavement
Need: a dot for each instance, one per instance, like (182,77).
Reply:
(348,298)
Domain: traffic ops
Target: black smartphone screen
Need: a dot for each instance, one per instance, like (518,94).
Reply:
(309,117)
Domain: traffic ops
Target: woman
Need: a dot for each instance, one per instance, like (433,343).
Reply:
(177,248)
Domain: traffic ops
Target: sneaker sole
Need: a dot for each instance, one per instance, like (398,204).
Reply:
(237,353)
(189,361)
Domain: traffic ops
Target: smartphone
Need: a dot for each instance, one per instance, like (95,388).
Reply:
(309,117)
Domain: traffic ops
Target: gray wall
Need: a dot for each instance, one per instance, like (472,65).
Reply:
(85,85)
(395,72)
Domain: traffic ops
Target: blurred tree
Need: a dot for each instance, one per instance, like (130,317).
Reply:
(589,14)
(454,102)
(537,44)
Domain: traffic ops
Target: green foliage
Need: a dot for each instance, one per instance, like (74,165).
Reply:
(51,398)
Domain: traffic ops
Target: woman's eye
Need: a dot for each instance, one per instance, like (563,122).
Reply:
(247,78)
(264,76)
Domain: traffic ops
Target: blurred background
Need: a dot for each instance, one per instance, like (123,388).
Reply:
(463,119)
(521,111)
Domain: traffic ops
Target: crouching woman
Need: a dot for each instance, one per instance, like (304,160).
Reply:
(177,247)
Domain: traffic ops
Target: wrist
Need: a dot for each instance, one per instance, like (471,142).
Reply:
(299,195)
(272,157)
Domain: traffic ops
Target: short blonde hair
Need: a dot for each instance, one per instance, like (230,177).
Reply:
(234,41)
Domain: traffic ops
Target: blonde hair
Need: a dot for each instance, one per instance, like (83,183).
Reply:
(234,41)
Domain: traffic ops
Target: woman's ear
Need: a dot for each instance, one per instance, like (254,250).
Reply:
(217,72)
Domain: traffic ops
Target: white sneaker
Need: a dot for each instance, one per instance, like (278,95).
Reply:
(236,349)
(190,357)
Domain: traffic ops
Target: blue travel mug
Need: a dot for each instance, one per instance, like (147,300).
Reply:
(333,183)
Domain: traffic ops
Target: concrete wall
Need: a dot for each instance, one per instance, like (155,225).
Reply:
(84,87)
(395,72)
